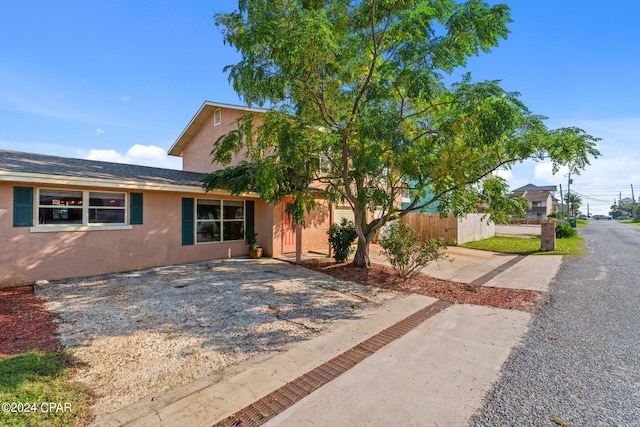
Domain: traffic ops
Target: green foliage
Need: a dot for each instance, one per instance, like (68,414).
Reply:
(341,237)
(39,378)
(252,240)
(564,230)
(360,107)
(406,253)
(573,201)
(499,207)
(625,208)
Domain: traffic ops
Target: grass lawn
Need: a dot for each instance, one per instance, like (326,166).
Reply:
(528,246)
(630,221)
(35,391)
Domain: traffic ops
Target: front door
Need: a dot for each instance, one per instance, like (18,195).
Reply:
(288,230)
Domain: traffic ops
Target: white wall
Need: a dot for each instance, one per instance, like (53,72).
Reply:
(472,227)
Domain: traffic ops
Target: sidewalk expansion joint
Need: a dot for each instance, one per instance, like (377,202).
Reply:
(496,271)
(267,407)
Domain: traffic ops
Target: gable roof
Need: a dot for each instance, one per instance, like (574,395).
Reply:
(31,167)
(204,113)
(531,187)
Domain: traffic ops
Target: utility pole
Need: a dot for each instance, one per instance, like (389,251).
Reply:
(561,202)
(633,199)
(569,196)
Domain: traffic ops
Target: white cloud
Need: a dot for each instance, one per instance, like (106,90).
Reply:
(99,131)
(106,156)
(147,152)
(145,155)
(125,98)
(606,178)
(543,173)
(504,174)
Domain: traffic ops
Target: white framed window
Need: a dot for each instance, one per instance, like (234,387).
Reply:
(57,207)
(404,192)
(217,117)
(79,209)
(107,208)
(219,220)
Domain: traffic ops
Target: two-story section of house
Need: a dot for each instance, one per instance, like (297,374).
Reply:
(540,198)
(279,236)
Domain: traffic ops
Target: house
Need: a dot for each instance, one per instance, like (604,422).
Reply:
(278,237)
(540,198)
(63,217)
(430,208)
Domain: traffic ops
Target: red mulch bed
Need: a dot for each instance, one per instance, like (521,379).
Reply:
(25,323)
(460,293)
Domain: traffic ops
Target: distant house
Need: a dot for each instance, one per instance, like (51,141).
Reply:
(540,198)
(63,217)
(430,208)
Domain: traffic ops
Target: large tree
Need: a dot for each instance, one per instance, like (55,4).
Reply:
(363,107)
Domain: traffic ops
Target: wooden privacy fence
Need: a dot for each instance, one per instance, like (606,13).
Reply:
(461,230)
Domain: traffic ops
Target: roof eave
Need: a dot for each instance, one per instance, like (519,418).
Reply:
(35,178)
(198,121)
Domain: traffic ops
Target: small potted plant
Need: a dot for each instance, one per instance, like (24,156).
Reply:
(255,250)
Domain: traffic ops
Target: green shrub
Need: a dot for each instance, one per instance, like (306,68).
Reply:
(341,237)
(252,240)
(565,230)
(406,252)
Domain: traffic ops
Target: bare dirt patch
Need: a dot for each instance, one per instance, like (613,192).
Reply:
(461,293)
(139,333)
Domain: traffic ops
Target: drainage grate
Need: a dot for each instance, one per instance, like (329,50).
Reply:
(262,410)
(493,273)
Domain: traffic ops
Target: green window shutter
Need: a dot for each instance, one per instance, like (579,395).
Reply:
(22,206)
(188,226)
(249,217)
(135,208)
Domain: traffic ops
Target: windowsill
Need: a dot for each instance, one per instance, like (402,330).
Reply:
(66,228)
(219,242)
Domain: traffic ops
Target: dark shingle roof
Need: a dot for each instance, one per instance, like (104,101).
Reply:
(19,162)
(531,187)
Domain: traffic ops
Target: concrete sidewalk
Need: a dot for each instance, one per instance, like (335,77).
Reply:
(436,374)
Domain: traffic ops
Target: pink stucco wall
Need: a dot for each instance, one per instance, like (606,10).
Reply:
(314,234)
(196,156)
(27,256)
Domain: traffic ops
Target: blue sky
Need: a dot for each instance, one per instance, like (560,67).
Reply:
(118,80)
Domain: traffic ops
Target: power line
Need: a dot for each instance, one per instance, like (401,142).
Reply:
(591,198)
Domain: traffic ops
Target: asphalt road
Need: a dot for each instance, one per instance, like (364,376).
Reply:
(579,364)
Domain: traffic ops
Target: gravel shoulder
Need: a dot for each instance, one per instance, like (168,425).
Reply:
(143,332)
(578,364)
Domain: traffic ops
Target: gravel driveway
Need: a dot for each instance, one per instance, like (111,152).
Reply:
(579,364)
(142,332)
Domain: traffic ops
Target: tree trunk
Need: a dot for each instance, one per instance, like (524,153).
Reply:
(361,258)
